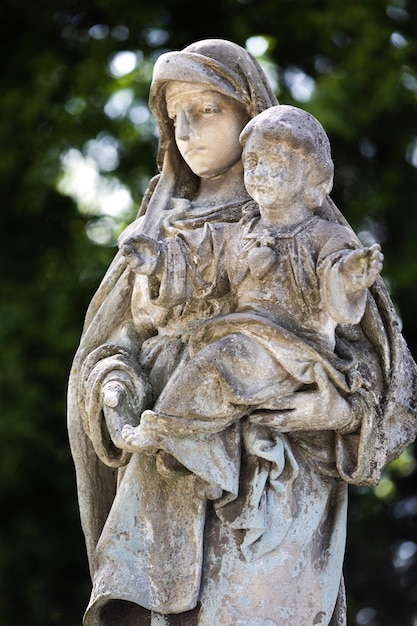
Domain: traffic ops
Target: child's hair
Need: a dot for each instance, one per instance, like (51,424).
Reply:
(301,131)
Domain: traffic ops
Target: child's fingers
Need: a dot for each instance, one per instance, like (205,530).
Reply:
(360,253)
(376,259)
(126,250)
(376,265)
(375,247)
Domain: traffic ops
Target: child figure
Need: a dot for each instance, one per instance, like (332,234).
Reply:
(292,277)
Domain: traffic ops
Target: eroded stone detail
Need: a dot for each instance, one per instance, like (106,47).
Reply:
(240,364)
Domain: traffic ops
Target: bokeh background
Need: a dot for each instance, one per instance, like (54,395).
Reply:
(77,150)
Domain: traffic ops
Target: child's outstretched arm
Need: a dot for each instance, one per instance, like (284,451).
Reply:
(361,267)
(142,254)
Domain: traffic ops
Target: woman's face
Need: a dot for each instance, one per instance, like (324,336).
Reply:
(207,127)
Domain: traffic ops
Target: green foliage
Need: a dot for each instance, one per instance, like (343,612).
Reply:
(352,64)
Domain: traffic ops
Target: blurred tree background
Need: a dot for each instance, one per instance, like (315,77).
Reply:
(77,149)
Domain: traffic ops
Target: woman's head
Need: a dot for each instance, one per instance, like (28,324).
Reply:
(218,65)
(212,65)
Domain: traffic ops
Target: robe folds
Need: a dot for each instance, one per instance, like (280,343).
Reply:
(163,546)
(282,516)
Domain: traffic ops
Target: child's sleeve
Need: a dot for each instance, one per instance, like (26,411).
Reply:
(192,266)
(343,307)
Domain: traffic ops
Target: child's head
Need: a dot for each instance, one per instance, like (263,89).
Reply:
(294,149)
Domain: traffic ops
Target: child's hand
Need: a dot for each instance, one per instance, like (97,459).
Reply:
(142,254)
(361,267)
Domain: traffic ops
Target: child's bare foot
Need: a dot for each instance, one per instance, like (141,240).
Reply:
(139,439)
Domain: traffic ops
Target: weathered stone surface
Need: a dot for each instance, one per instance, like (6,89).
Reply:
(240,364)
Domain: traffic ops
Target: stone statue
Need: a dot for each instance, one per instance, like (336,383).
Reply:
(240,364)
(288,268)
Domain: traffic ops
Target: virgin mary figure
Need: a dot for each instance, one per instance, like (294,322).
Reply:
(263,544)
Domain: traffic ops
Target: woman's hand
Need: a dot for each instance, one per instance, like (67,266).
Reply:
(318,409)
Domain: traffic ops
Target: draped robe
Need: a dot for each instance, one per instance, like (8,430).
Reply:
(157,549)
(280,527)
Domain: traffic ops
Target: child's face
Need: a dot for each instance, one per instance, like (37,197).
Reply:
(274,172)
